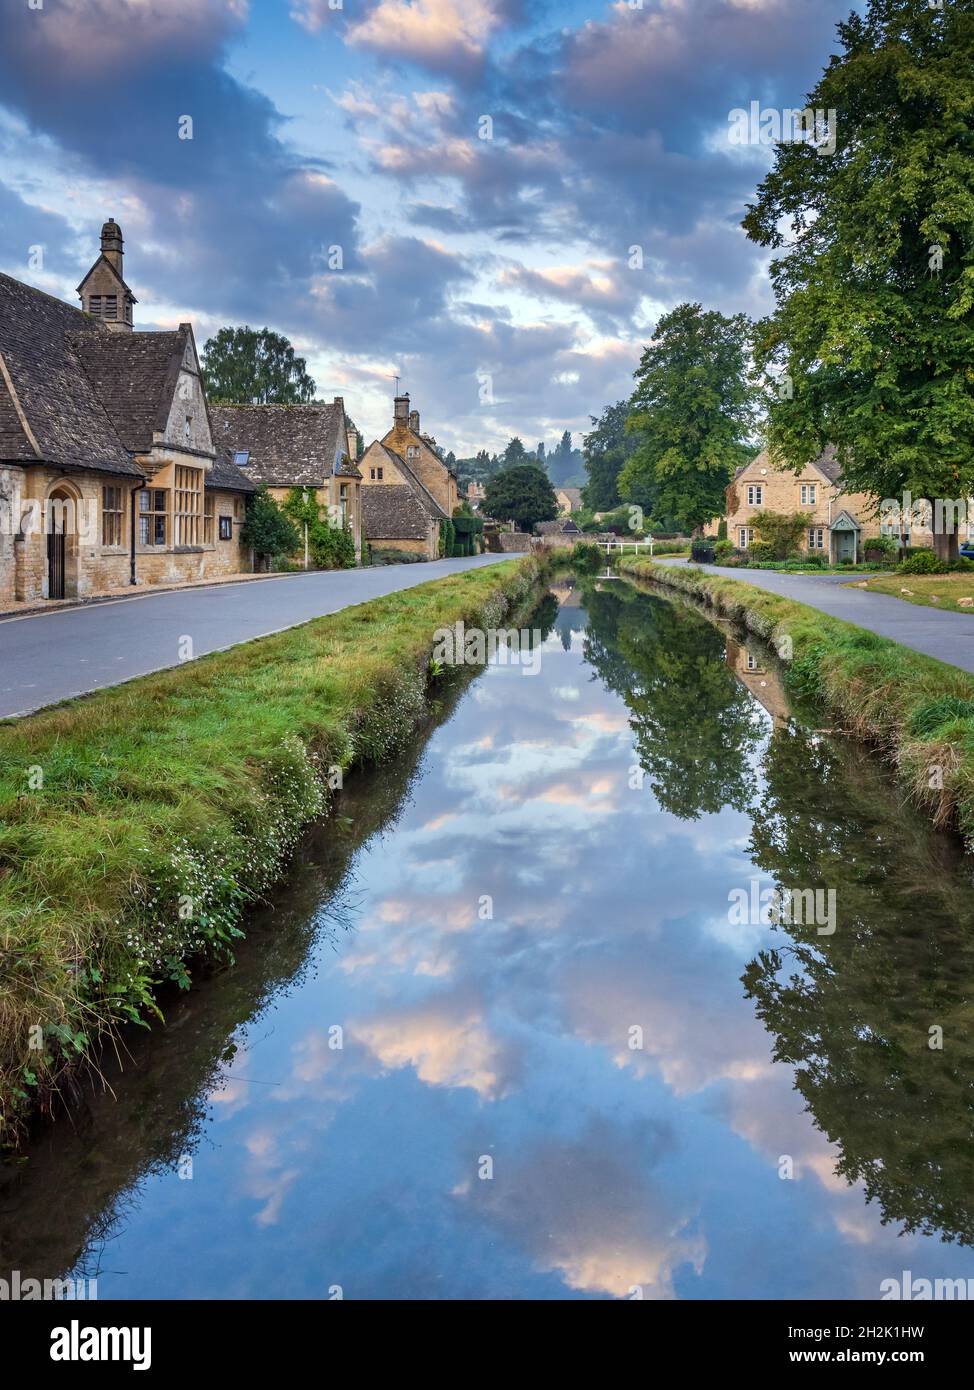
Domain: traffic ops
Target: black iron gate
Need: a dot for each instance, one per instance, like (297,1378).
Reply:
(55,563)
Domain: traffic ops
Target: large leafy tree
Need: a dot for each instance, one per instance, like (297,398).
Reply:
(692,411)
(253,366)
(522,494)
(606,450)
(871,347)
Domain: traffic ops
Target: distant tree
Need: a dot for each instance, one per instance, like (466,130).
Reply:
(266,530)
(515,453)
(872,341)
(522,494)
(451,461)
(251,366)
(540,453)
(692,410)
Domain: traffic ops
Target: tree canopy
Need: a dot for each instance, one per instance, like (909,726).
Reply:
(522,494)
(871,345)
(692,412)
(253,366)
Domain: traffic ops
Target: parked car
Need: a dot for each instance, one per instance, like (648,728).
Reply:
(967,550)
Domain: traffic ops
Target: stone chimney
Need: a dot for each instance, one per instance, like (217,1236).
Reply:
(414,421)
(401,416)
(353,444)
(111,245)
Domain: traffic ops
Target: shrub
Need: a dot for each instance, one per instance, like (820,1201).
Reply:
(722,530)
(922,562)
(723,548)
(760,550)
(780,530)
(881,548)
(586,556)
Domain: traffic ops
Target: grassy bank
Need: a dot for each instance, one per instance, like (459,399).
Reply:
(918,710)
(929,590)
(136,824)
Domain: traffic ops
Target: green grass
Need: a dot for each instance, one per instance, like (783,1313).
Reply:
(918,710)
(137,823)
(928,590)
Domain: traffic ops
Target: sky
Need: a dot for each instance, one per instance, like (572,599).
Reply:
(445,190)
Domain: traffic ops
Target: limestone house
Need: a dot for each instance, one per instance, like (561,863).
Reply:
(106,456)
(399,512)
(562,532)
(569,499)
(311,447)
(418,452)
(476,492)
(837,521)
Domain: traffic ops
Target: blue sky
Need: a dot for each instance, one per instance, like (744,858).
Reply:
(492,274)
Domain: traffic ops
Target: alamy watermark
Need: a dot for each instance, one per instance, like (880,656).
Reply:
(755,906)
(473,646)
(757,125)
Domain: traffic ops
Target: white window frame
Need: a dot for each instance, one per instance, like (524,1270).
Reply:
(745,535)
(755,494)
(816,538)
(808,494)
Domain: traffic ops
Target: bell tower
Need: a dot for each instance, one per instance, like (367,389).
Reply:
(104,293)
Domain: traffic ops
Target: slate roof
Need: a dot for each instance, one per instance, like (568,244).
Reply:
(420,490)
(289,445)
(38,339)
(134,376)
(226,476)
(392,511)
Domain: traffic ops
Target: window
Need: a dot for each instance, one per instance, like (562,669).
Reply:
(112,515)
(755,494)
(752,662)
(188,506)
(152,516)
(110,307)
(236,507)
(412,452)
(241,458)
(375,474)
(343,503)
(744,535)
(226,528)
(816,538)
(94,305)
(208,518)
(808,491)
(128,311)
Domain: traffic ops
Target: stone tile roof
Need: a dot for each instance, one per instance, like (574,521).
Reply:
(134,376)
(826,463)
(226,476)
(289,445)
(38,334)
(420,490)
(392,511)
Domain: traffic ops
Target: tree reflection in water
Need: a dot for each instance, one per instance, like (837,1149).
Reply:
(852,1013)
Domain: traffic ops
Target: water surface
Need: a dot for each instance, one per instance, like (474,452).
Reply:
(565,1071)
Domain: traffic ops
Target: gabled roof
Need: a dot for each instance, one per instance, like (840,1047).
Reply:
(103,260)
(134,376)
(420,491)
(289,445)
(826,464)
(38,339)
(392,511)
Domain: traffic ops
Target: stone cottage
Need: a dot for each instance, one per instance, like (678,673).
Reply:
(398,511)
(311,447)
(106,457)
(837,522)
(419,453)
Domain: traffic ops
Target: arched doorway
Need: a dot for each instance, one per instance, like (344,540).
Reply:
(61,521)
